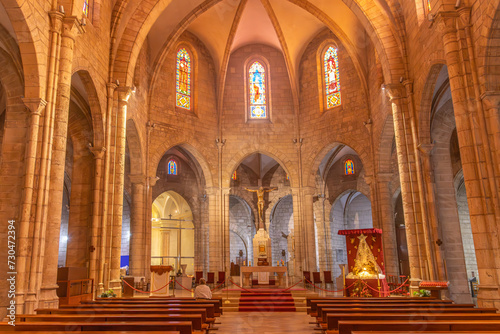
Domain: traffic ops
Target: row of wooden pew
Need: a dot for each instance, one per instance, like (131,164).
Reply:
(124,315)
(400,315)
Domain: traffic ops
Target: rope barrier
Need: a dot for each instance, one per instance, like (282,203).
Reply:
(293,286)
(386,292)
(163,287)
(224,281)
(241,287)
(350,286)
(190,290)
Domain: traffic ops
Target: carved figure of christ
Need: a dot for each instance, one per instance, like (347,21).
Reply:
(260,201)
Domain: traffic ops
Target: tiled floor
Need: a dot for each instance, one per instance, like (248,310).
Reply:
(264,323)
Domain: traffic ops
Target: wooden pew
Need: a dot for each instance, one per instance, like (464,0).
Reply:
(108,301)
(323,312)
(314,306)
(381,299)
(87,332)
(183,327)
(334,319)
(195,319)
(347,327)
(449,332)
(209,307)
(200,311)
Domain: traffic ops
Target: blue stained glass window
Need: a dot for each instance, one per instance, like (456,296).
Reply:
(257,91)
(172,167)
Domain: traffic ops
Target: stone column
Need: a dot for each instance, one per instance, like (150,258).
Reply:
(48,296)
(137,225)
(119,179)
(308,198)
(35,106)
(96,231)
(491,102)
(416,251)
(226,256)
(386,210)
(215,237)
(479,193)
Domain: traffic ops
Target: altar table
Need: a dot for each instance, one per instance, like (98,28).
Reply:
(246,272)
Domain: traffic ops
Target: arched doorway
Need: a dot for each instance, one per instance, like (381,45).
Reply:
(281,230)
(172,232)
(242,231)
(351,210)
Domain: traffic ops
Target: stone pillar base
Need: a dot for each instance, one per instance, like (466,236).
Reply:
(414,285)
(488,296)
(116,286)
(48,297)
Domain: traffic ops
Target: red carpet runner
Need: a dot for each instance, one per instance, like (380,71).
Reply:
(266,301)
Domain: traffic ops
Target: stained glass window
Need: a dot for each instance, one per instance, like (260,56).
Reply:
(183,79)
(172,167)
(86,7)
(429,7)
(257,91)
(349,167)
(287,177)
(332,78)
(235,176)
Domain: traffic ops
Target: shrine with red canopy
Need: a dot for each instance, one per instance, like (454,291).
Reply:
(365,262)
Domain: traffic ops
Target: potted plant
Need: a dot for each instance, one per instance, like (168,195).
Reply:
(422,293)
(108,294)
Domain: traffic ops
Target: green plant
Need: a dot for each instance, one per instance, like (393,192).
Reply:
(422,293)
(108,294)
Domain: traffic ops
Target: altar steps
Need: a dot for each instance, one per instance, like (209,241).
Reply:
(267,301)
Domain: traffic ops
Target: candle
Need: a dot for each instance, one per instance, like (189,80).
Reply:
(278,263)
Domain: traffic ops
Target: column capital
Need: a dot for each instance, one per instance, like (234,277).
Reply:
(465,15)
(447,21)
(153,180)
(124,94)
(72,27)
(311,191)
(35,105)
(98,152)
(426,148)
(408,84)
(394,91)
(491,100)
(56,21)
(138,179)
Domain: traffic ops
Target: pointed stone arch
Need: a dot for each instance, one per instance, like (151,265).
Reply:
(199,159)
(243,153)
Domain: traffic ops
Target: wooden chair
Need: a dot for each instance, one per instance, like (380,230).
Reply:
(222,277)
(327,275)
(307,277)
(317,278)
(198,275)
(210,278)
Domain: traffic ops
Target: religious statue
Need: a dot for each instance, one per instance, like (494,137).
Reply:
(260,197)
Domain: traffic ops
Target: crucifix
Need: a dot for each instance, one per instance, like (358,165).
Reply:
(260,201)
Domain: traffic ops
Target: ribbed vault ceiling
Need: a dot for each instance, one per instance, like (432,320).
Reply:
(231,24)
